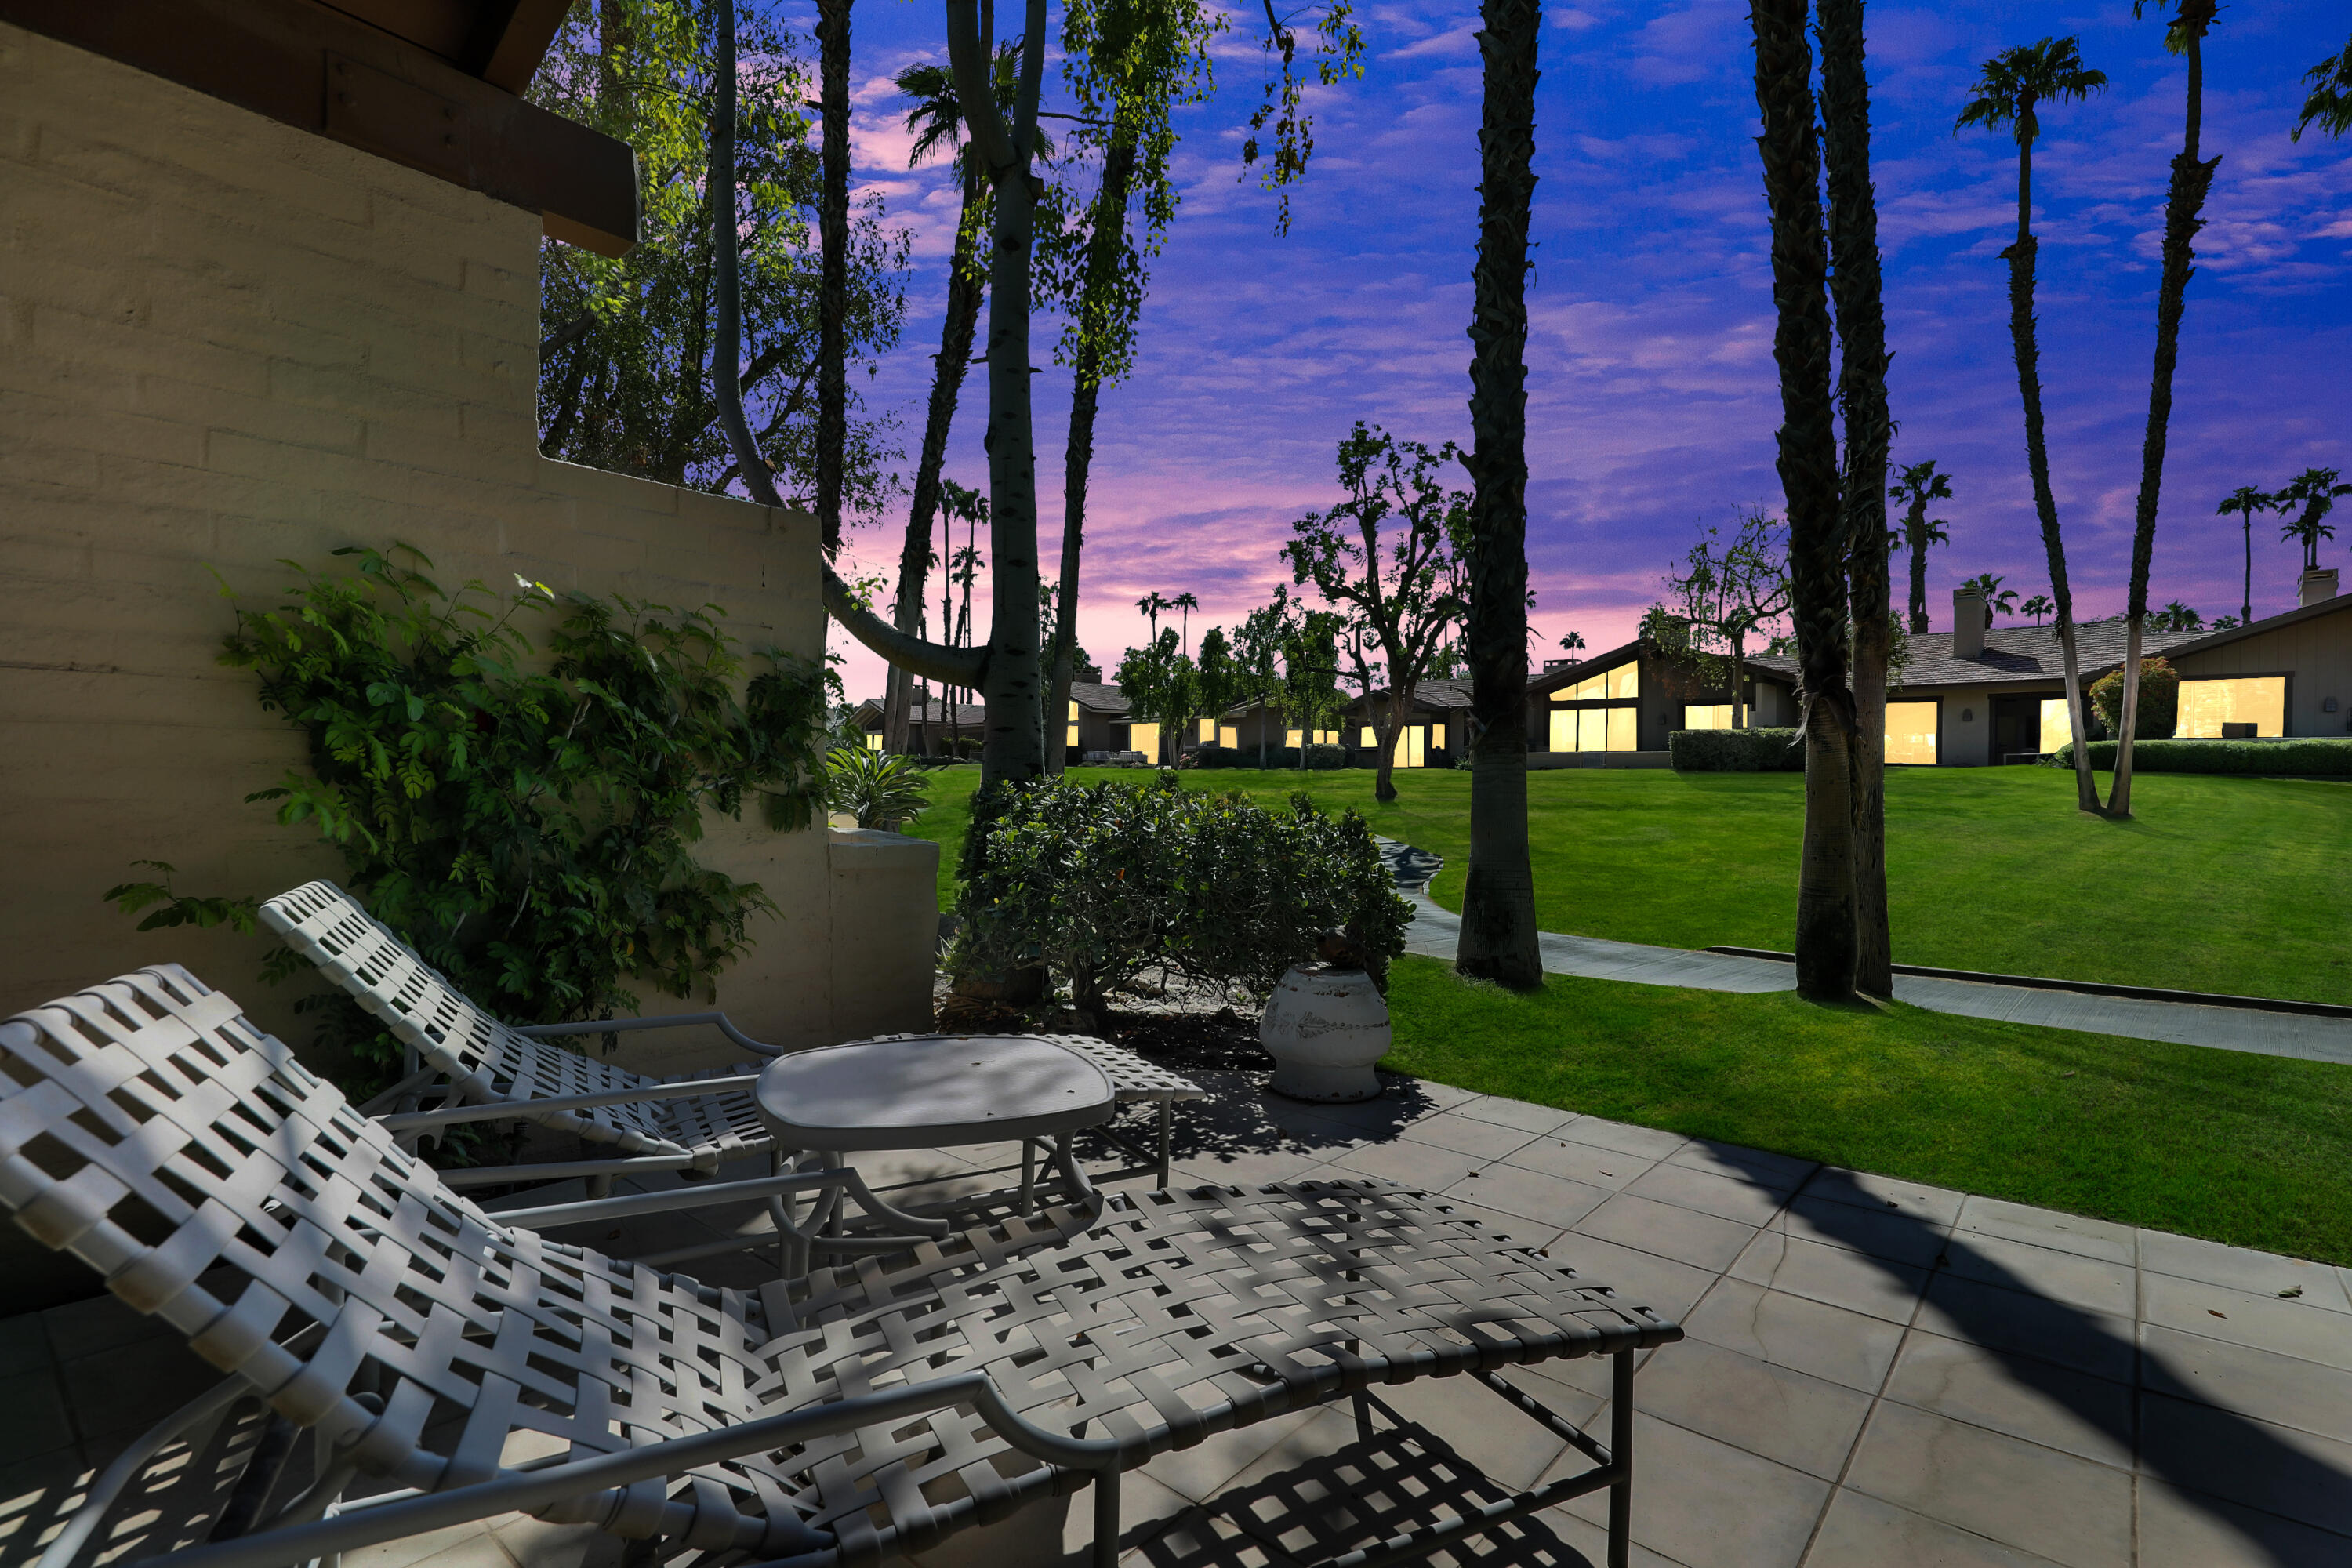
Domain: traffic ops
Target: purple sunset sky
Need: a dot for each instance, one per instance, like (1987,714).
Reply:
(1652,397)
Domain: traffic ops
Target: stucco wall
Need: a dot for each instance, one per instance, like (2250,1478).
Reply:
(2315,655)
(222,342)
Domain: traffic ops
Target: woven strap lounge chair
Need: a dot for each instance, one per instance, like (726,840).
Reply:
(691,1123)
(468,1367)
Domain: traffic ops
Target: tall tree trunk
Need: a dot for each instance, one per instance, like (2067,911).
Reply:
(1807,464)
(2192,178)
(1862,377)
(832,350)
(1014,749)
(1108,240)
(2025,346)
(1498,939)
(2246,594)
(954,360)
(1739,713)
(1914,524)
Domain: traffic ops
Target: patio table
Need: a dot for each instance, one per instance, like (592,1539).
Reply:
(933,1091)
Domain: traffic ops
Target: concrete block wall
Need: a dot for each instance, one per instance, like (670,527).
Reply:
(224,343)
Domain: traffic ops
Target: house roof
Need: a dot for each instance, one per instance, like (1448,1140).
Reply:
(2011,653)
(2199,642)
(1569,674)
(1099,697)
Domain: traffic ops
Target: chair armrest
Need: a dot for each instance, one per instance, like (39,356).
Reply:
(631,1205)
(719,1021)
(526,1110)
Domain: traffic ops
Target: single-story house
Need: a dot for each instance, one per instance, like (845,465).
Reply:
(932,726)
(1970,698)
(1617,707)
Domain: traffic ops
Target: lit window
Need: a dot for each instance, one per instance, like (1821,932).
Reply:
(1563,730)
(1621,726)
(1625,682)
(1327,737)
(1144,738)
(1291,737)
(874,743)
(1074,713)
(2256,700)
(1412,749)
(1709,716)
(1368,737)
(1073,739)
(1229,736)
(2055,731)
(1208,732)
(1911,732)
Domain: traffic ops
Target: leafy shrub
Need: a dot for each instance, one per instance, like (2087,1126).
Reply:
(2159,702)
(1736,752)
(2317,757)
(529,831)
(881,789)
(1100,883)
(1325,758)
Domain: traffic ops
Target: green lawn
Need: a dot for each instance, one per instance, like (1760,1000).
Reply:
(2222,884)
(2236,1148)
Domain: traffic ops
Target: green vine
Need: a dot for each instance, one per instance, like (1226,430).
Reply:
(526,823)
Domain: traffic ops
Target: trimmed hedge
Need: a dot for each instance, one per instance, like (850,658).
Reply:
(1275,757)
(2307,757)
(1736,752)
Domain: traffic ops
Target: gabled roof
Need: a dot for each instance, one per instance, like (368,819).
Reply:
(1569,674)
(2011,653)
(2199,642)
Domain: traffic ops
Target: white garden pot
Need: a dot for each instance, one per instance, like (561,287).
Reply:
(1325,1028)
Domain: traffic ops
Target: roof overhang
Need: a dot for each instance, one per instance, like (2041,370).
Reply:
(433,84)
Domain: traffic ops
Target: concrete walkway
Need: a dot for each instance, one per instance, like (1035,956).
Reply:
(1435,931)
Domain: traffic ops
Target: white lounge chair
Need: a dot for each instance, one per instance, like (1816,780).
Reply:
(829,1421)
(691,1123)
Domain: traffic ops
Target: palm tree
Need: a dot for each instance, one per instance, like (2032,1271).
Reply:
(1998,600)
(2192,176)
(2038,606)
(2330,103)
(2315,490)
(2247,500)
(1498,940)
(936,120)
(1572,645)
(1807,441)
(1919,487)
(2009,90)
(1150,604)
(1188,603)
(2177,617)
(833,272)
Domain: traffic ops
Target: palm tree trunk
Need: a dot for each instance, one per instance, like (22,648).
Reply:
(1861,331)
(832,350)
(1809,478)
(2246,594)
(2192,178)
(948,372)
(1916,525)
(1104,244)
(1498,939)
(2025,349)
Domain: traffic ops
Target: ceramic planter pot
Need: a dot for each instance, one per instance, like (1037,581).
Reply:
(1325,1028)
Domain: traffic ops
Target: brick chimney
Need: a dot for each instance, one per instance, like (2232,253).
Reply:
(1968,623)
(2318,586)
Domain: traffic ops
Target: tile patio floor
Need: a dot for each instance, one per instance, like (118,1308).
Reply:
(1877,1374)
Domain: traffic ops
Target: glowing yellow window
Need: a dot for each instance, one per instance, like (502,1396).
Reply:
(1625,682)
(2256,700)
(1412,749)
(1291,737)
(1074,713)
(1229,736)
(1563,730)
(1327,737)
(2055,731)
(874,743)
(1072,737)
(1708,716)
(1206,732)
(1368,737)
(1144,738)
(1622,722)
(1911,731)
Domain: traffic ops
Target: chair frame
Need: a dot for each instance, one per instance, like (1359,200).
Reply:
(151,1130)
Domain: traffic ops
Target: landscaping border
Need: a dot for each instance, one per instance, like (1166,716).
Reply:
(2087,987)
